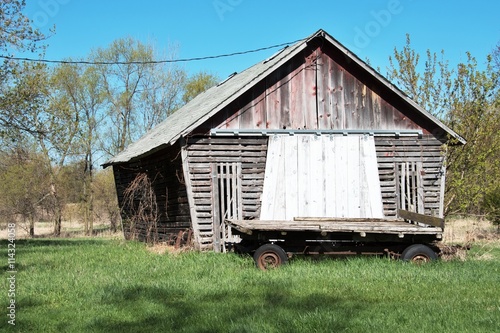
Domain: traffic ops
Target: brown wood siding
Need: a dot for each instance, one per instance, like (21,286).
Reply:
(164,168)
(391,152)
(205,152)
(313,91)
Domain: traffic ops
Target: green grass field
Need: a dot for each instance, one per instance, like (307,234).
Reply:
(102,285)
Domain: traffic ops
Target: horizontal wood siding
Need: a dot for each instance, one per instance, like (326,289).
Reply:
(392,152)
(202,154)
(164,169)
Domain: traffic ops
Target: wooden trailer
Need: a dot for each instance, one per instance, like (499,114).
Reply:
(311,133)
(413,238)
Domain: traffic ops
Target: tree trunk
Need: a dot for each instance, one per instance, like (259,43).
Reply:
(57,210)
(57,225)
(32,227)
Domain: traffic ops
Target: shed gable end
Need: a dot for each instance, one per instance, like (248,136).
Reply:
(313,90)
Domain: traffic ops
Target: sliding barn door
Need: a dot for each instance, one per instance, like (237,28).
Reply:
(321,176)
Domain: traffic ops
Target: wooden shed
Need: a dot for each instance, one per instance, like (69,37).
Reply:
(312,131)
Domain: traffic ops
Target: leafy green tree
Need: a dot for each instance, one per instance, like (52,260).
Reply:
(16,35)
(105,197)
(428,84)
(23,186)
(466,99)
(16,30)
(496,57)
(197,84)
(50,123)
(491,205)
(80,87)
(475,168)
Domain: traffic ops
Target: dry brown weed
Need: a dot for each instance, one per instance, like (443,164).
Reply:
(163,248)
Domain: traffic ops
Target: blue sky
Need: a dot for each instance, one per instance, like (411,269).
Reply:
(370,28)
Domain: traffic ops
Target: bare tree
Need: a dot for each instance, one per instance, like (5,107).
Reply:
(140,91)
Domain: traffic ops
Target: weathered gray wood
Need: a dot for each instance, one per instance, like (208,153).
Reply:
(246,155)
(425,219)
(192,210)
(344,219)
(378,226)
(427,152)
(218,208)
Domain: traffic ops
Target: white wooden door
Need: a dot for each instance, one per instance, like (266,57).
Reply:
(321,176)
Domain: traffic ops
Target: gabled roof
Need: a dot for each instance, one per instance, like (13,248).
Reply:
(207,104)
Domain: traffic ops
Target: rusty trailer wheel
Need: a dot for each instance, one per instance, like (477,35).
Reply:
(419,254)
(270,256)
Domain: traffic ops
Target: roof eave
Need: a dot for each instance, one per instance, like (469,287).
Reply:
(298,48)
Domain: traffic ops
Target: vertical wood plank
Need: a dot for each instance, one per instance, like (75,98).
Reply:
(315,182)
(338,113)
(330,177)
(216,213)
(408,190)
(234,191)
(441,191)
(364,184)
(371,193)
(413,185)
(324,91)
(402,189)
(223,199)
(397,186)
(291,178)
(420,189)
(239,191)
(189,190)
(303,171)
(273,101)
(296,109)
(341,179)
(353,175)
(279,207)
(270,179)
(309,92)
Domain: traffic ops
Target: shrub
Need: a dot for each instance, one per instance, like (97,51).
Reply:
(491,206)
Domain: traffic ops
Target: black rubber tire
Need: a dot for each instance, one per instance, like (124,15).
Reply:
(419,253)
(269,256)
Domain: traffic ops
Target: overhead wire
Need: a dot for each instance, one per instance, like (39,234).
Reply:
(88,62)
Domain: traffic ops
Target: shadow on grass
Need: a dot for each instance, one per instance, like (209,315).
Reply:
(48,242)
(48,246)
(266,308)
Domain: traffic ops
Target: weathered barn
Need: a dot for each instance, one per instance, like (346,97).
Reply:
(312,131)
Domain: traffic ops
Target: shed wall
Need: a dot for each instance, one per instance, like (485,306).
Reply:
(164,169)
(209,156)
(427,152)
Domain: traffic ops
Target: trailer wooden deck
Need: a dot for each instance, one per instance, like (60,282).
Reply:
(361,226)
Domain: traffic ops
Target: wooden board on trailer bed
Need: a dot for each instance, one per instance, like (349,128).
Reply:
(362,226)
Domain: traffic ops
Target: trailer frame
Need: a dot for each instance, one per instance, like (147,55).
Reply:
(412,237)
